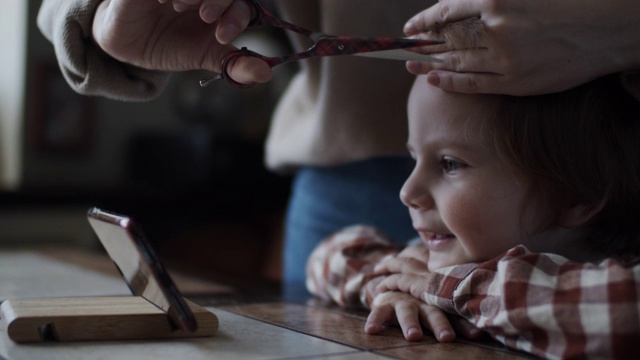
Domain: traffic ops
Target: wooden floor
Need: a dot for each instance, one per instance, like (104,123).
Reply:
(258,324)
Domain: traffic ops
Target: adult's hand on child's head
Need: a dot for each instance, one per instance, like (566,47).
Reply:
(526,47)
(411,314)
(153,35)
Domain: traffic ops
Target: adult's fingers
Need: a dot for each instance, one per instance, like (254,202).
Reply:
(248,69)
(210,10)
(234,20)
(462,72)
(448,80)
(470,83)
(469,61)
(445,11)
(232,16)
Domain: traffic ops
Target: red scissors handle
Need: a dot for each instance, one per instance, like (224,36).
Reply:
(324,45)
(232,56)
(262,17)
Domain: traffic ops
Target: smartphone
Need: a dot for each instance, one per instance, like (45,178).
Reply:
(139,265)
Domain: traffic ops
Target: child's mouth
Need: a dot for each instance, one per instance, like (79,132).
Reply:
(434,241)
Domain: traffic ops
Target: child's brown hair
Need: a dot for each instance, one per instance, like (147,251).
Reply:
(580,146)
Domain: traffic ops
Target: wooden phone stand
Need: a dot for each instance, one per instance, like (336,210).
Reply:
(96,318)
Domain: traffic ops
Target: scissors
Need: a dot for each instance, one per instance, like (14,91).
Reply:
(324,45)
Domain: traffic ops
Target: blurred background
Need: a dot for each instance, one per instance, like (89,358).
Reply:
(188,165)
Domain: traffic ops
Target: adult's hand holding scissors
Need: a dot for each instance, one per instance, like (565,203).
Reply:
(172,35)
(527,47)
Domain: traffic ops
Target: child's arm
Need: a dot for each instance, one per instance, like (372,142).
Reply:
(540,303)
(340,269)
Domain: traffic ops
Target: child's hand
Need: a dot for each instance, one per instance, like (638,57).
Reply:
(410,313)
(414,284)
(412,263)
(413,260)
(407,275)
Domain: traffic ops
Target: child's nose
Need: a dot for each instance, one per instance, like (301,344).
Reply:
(414,193)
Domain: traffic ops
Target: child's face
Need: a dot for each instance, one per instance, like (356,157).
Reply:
(465,205)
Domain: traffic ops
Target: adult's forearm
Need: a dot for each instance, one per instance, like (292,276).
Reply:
(67,24)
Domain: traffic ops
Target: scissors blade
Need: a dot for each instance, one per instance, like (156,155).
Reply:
(399,54)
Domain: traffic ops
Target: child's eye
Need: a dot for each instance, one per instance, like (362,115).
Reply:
(450,165)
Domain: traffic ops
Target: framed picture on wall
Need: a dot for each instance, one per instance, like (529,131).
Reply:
(61,120)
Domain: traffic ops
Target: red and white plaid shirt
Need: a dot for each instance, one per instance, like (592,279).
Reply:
(543,304)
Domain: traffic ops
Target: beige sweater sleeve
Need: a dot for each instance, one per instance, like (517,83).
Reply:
(67,25)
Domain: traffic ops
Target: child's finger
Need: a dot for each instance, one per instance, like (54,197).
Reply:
(378,316)
(394,265)
(417,252)
(391,264)
(406,283)
(390,283)
(409,319)
(412,265)
(436,321)
(466,329)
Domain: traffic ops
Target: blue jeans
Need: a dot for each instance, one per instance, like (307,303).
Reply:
(326,199)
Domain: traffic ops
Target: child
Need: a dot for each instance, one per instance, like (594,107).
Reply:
(553,180)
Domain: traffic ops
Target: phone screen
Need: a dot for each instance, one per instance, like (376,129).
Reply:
(139,265)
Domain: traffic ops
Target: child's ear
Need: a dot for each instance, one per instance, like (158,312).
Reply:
(576,215)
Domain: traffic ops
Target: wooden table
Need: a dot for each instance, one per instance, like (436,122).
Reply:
(252,325)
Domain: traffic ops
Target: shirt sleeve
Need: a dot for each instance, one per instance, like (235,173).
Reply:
(67,24)
(340,268)
(545,304)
